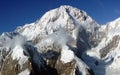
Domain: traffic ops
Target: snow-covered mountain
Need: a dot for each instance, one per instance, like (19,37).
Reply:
(64,41)
(107,52)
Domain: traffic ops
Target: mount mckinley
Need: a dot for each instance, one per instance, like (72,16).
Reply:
(64,41)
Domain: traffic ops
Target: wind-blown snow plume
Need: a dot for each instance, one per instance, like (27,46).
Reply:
(59,38)
(17,40)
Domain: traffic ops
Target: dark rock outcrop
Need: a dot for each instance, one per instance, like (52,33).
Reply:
(110,46)
(12,67)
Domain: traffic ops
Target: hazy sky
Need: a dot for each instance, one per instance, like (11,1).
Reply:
(15,13)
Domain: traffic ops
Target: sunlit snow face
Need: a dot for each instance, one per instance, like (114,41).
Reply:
(66,55)
(25,72)
(116,62)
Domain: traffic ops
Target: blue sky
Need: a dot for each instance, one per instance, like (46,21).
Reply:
(15,13)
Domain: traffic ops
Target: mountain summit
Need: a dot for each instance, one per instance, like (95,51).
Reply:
(64,41)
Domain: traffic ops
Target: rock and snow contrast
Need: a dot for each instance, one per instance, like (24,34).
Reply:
(64,41)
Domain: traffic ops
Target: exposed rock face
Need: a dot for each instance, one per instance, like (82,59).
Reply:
(67,68)
(52,64)
(56,67)
(11,67)
(59,67)
(110,46)
(3,54)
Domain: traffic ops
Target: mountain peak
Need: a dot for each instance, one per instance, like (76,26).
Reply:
(67,17)
(67,7)
(65,11)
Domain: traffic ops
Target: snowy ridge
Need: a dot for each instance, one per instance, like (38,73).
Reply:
(28,30)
